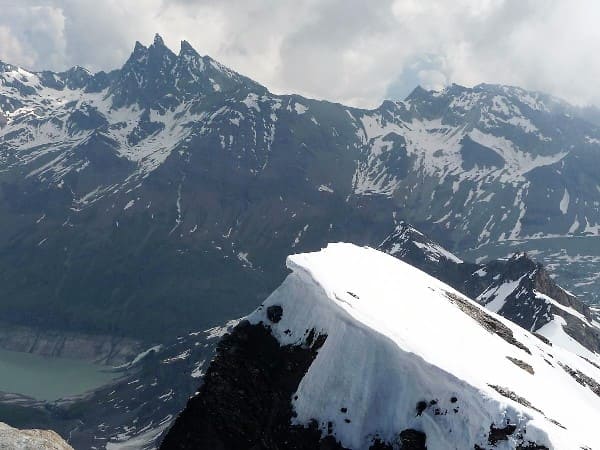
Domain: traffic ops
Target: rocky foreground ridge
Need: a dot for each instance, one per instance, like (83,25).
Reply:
(14,439)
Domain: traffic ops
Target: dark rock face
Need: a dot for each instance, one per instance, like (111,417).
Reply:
(476,155)
(412,440)
(583,379)
(488,322)
(522,364)
(274,313)
(245,401)
(407,440)
(514,397)
(498,434)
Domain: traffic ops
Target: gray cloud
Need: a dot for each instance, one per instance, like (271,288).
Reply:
(352,51)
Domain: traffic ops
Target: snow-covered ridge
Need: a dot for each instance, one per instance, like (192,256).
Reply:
(397,337)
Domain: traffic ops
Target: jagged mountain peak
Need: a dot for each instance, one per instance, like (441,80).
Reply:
(187,49)
(158,41)
(524,258)
(406,242)
(419,92)
(141,55)
(139,50)
(156,76)
(159,49)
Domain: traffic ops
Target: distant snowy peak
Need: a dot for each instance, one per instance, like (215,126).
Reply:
(518,289)
(140,113)
(503,99)
(447,156)
(359,332)
(406,239)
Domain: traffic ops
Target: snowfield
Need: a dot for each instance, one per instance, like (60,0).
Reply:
(405,351)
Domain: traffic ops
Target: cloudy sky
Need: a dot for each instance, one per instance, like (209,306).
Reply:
(353,51)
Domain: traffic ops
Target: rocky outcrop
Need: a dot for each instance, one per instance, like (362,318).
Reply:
(245,399)
(101,349)
(13,439)
(244,402)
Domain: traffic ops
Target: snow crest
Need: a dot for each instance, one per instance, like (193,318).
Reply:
(395,338)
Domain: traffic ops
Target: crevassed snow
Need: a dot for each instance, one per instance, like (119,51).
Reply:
(394,338)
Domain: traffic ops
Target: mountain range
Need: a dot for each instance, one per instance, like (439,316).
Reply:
(162,198)
(138,202)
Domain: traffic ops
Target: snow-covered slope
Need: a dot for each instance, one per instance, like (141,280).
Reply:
(517,288)
(403,355)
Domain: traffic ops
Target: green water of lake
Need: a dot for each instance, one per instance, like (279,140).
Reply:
(49,379)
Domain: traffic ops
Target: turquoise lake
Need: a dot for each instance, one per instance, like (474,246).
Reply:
(49,379)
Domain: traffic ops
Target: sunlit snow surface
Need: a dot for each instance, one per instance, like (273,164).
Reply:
(395,338)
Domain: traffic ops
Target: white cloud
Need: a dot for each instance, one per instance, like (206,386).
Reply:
(11,48)
(353,51)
